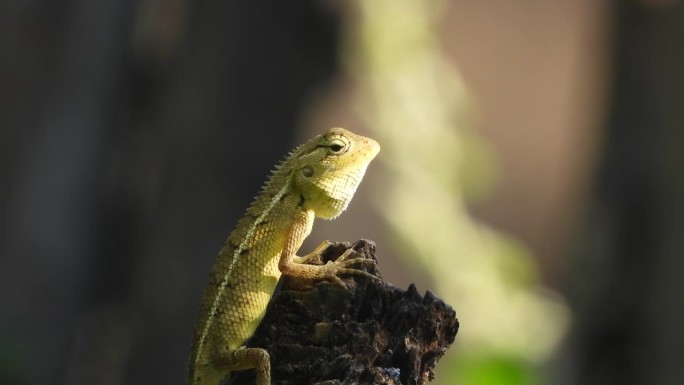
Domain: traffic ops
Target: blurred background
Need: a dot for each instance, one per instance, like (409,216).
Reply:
(530,173)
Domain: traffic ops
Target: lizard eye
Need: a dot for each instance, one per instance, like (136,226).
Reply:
(337,146)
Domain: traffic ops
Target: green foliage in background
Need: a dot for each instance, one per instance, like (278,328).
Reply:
(492,370)
(417,106)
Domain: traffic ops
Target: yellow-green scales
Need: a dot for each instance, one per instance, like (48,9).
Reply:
(317,179)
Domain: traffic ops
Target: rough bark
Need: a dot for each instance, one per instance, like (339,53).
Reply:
(368,332)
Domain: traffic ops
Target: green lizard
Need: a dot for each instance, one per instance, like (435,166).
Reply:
(317,179)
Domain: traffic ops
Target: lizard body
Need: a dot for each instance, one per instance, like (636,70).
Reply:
(317,179)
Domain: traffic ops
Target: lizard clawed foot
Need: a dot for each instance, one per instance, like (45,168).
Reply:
(341,266)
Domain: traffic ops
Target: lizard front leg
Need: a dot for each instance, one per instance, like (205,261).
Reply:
(293,265)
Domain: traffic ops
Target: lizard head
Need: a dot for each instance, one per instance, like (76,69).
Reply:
(329,168)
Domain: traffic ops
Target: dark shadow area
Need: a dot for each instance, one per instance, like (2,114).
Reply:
(627,283)
(124,166)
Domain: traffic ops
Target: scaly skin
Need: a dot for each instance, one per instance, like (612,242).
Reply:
(318,179)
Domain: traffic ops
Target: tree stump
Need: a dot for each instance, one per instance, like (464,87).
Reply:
(368,332)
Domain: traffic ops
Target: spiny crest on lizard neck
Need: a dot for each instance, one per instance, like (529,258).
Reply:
(325,171)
